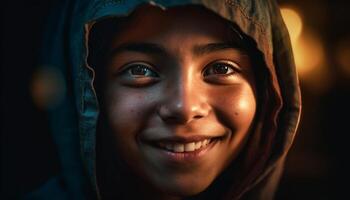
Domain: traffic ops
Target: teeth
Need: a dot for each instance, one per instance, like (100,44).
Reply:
(188,147)
(205,142)
(179,148)
(198,145)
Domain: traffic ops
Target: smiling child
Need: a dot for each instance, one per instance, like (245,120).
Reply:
(178,100)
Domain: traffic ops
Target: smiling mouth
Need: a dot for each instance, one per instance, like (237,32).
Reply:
(182,150)
(186,146)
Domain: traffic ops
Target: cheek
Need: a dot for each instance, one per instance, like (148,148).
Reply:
(126,111)
(238,108)
(244,109)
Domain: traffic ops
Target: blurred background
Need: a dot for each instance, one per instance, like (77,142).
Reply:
(316,166)
(320,32)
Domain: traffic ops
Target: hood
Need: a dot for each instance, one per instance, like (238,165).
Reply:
(74,119)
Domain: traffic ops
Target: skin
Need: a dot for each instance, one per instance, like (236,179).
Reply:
(183,89)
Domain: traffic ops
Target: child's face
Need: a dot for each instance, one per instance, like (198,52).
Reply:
(174,82)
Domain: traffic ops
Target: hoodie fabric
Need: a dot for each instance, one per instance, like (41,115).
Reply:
(74,120)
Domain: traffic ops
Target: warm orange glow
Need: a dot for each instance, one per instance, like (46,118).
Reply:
(307,47)
(47,88)
(293,22)
(308,53)
(310,62)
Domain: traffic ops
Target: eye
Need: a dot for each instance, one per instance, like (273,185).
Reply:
(137,74)
(223,68)
(140,70)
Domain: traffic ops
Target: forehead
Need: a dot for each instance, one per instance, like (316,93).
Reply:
(153,23)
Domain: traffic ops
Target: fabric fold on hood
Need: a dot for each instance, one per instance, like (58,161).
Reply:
(74,120)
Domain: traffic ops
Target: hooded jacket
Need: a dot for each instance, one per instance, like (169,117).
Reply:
(74,119)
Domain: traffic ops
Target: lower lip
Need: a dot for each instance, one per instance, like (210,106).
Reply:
(181,157)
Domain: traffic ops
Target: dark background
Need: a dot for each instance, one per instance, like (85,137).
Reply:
(316,166)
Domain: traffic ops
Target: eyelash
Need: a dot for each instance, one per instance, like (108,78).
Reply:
(228,64)
(145,66)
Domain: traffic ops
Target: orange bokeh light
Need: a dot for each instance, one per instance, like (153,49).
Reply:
(293,22)
(47,88)
(308,51)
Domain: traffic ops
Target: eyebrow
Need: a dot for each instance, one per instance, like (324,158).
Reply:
(147,48)
(156,49)
(199,50)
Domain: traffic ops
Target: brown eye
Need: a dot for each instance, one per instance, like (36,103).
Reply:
(140,70)
(221,68)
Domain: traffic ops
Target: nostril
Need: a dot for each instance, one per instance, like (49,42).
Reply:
(172,119)
(175,114)
(197,116)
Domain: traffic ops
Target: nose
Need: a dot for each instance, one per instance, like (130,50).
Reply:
(184,102)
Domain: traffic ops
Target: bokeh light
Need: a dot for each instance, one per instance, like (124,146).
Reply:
(47,88)
(293,22)
(308,51)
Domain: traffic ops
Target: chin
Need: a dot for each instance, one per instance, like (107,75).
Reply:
(185,188)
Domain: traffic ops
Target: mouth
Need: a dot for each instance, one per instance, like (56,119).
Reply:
(180,149)
(177,147)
